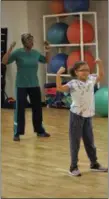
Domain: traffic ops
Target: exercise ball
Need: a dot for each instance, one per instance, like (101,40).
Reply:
(73,32)
(67,101)
(57,33)
(58,61)
(76,5)
(101,102)
(76,56)
(56,6)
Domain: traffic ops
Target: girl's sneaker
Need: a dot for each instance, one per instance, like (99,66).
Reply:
(98,167)
(75,172)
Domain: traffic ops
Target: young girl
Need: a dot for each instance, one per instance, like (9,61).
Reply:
(81,88)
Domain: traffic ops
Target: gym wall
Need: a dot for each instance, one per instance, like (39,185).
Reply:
(27,16)
(101,7)
(17,23)
(36,10)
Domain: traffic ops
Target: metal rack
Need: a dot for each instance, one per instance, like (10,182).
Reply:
(81,44)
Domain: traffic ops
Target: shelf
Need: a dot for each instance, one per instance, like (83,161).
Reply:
(68,14)
(71,45)
(90,44)
(54,75)
(80,45)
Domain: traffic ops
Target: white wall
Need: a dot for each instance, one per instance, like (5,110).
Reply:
(36,10)
(14,17)
(27,17)
(101,7)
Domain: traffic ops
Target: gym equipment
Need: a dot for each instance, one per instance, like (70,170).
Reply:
(57,33)
(50,91)
(76,56)
(55,98)
(67,100)
(58,61)
(101,102)
(76,5)
(73,32)
(56,6)
(53,85)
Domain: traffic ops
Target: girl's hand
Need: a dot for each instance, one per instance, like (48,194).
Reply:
(61,71)
(100,74)
(98,61)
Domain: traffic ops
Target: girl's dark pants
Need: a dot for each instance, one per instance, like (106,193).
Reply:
(81,127)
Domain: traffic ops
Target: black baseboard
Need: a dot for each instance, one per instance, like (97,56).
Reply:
(12,105)
(44,104)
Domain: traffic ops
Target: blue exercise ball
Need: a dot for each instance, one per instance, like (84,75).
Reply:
(57,33)
(76,5)
(101,102)
(58,61)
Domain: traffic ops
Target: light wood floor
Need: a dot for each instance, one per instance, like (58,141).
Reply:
(38,167)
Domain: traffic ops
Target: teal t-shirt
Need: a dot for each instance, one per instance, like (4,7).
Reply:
(27,66)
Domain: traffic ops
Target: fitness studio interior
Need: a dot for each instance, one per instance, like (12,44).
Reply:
(39,158)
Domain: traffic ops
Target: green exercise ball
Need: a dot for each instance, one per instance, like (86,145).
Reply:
(101,102)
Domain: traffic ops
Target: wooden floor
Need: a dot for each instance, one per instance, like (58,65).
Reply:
(38,167)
